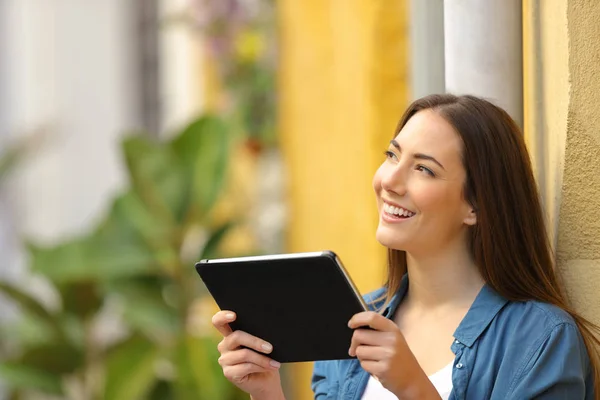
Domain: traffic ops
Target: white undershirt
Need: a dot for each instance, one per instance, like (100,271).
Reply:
(442,380)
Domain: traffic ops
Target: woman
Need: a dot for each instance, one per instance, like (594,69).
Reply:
(472,308)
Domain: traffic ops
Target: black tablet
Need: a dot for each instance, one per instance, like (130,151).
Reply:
(300,303)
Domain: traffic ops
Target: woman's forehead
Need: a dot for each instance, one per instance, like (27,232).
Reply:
(428,131)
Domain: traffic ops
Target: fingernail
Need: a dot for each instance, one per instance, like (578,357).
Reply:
(267,347)
(230,316)
(274,364)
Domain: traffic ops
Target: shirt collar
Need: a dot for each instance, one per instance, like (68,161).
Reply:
(484,309)
(397,298)
(486,306)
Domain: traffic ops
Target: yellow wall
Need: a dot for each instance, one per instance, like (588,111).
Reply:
(579,226)
(343,77)
(562,98)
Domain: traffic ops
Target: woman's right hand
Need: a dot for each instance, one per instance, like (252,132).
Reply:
(246,367)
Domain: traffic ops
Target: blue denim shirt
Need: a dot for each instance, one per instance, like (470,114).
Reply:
(503,350)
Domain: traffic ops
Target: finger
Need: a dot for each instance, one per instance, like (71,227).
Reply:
(240,338)
(373,353)
(365,337)
(239,373)
(244,356)
(369,336)
(221,321)
(372,320)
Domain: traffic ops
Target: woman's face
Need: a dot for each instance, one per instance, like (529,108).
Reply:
(419,187)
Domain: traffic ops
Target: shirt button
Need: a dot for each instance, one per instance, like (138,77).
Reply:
(456,341)
(459,365)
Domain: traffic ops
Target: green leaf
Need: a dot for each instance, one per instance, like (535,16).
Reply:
(81,298)
(156,176)
(203,150)
(16,394)
(144,307)
(30,305)
(61,263)
(162,390)
(210,249)
(132,212)
(90,259)
(130,222)
(58,358)
(130,369)
(18,376)
(28,330)
(199,373)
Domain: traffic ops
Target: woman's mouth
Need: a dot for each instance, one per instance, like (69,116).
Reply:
(398,213)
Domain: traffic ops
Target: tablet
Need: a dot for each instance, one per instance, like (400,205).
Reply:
(300,303)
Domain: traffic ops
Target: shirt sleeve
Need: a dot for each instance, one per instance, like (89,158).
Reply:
(319,383)
(557,367)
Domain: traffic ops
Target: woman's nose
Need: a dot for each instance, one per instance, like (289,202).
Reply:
(394,180)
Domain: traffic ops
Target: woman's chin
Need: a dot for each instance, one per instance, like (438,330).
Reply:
(390,239)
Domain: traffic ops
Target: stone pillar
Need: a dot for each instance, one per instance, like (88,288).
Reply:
(483,47)
(426,24)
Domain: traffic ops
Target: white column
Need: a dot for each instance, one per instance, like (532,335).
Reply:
(483,47)
(68,65)
(426,24)
(181,68)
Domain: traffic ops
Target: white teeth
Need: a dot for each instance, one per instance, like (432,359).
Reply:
(397,210)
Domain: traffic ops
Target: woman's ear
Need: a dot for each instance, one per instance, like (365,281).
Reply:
(471,218)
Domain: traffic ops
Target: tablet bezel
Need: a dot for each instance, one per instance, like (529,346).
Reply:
(287,256)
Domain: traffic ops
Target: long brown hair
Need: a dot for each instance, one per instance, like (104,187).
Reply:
(512,253)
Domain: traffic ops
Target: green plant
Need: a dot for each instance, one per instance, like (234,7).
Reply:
(135,267)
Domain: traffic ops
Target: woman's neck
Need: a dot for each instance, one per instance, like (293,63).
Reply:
(446,278)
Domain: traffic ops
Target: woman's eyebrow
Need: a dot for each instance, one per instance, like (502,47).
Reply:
(419,156)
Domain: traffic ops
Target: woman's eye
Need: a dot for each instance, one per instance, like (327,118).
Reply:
(389,154)
(425,170)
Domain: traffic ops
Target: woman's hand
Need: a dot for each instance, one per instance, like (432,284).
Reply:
(242,361)
(384,353)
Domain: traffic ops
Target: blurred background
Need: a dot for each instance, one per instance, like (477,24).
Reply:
(137,137)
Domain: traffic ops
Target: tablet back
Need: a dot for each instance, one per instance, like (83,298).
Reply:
(300,303)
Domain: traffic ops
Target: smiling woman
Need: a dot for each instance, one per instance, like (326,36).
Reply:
(413,178)
(472,308)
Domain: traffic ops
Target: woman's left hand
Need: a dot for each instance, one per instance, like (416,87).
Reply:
(384,353)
